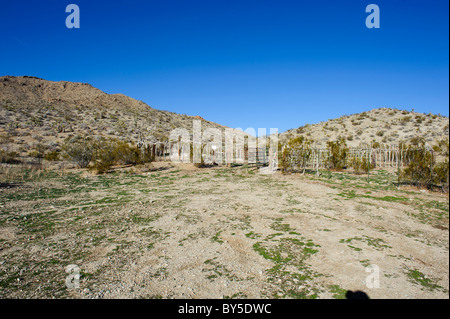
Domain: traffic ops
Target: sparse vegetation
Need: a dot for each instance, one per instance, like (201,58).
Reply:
(338,154)
(295,154)
(170,230)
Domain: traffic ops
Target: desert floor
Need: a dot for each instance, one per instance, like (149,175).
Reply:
(176,231)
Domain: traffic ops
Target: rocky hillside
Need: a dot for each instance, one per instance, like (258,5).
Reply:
(34,111)
(385,126)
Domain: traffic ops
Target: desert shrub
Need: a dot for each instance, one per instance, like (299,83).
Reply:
(146,155)
(126,154)
(422,168)
(361,165)
(362,116)
(441,169)
(104,155)
(52,156)
(440,175)
(110,152)
(79,150)
(419,167)
(8,157)
(35,154)
(202,163)
(405,120)
(295,154)
(419,119)
(380,133)
(338,153)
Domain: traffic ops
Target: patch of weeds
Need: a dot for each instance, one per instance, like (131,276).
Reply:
(288,254)
(144,220)
(216,238)
(154,234)
(354,248)
(216,269)
(292,211)
(41,224)
(239,295)
(278,226)
(188,219)
(243,223)
(252,235)
(111,200)
(419,278)
(352,194)
(161,273)
(365,262)
(377,243)
(272,236)
(338,292)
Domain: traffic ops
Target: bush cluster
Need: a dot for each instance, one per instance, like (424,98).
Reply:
(422,166)
(361,165)
(8,157)
(338,153)
(295,154)
(100,155)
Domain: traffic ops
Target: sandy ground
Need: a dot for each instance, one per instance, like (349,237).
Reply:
(176,231)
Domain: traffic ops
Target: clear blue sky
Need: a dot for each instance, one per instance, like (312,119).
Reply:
(240,63)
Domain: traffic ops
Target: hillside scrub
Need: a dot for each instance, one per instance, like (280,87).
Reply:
(79,150)
(423,169)
(361,165)
(338,154)
(295,154)
(102,154)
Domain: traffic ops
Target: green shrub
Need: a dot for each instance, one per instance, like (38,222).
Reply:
(405,120)
(361,165)
(338,153)
(52,156)
(8,157)
(126,154)
(104,157)
(79,150)
(295,154)
(422,168)
(110,152)
(441,169)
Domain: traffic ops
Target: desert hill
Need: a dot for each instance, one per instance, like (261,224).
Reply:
(383,126)
(35,111)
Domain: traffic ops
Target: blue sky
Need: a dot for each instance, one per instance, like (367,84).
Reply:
(240,63)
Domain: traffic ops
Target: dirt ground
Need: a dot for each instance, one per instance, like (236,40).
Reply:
(176,231)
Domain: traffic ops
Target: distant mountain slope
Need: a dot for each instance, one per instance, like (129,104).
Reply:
(384,126)
(37,112)
(34,110)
